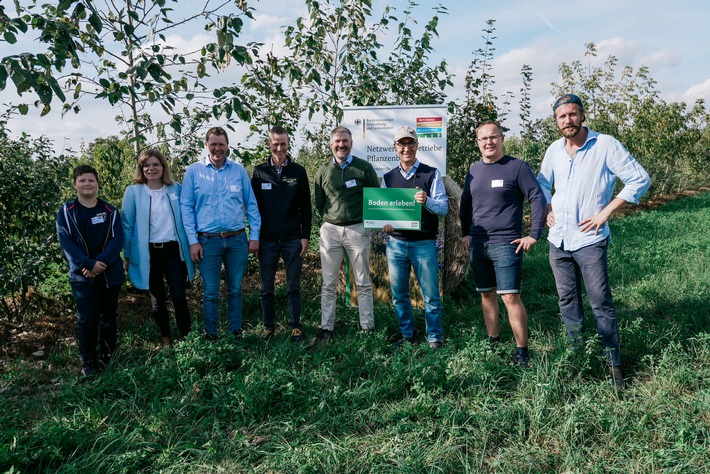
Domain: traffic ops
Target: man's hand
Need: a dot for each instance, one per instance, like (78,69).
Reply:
(595,222)
(253,246)
(420,197)
(196,253)
(550,220)
(125,264)
(524,243)
(304,247)
(98,267)
(466,242)
(387,228)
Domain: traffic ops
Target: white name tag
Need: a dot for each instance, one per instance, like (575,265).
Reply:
(98,220)
(234,188)
(265,185)
(497,183)
(350,184)
(173,196)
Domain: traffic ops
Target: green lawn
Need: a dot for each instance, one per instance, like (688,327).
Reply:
(359,405)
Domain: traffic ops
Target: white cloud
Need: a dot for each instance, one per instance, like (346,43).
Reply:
(697,91)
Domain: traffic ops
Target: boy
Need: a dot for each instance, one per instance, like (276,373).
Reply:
(91,236)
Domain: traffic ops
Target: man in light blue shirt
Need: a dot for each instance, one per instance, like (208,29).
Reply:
(583,167)
(216,195)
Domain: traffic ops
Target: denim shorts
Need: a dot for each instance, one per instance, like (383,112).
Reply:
(496,267)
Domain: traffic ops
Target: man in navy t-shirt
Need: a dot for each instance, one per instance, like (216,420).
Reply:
(492,226)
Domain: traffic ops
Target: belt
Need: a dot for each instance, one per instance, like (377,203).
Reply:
(160,245)
(224,235)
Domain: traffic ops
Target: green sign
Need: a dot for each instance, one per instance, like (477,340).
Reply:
(394,206)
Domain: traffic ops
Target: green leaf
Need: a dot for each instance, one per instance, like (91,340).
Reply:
(10,37)
(23,109)
(95,22)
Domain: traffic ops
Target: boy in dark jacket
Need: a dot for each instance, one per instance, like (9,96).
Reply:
(91,236)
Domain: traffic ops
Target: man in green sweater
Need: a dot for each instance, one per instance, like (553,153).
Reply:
(339,185)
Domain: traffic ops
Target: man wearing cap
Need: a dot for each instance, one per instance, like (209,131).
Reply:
(338,190)
(583,166)
(407,249)
(217,199)
(491,216)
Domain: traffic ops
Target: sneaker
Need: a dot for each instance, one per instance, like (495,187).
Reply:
(237,333)
(211,337)
(325,336)
(493,342)
(521,356)
(166,342)
(296,335)
(400,342)
(617,378)
(435,345)
(268,333)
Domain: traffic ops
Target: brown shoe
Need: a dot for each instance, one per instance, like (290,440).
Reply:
(166,342)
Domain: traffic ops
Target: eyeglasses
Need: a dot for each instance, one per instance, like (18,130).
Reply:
(410,145)
(492,138)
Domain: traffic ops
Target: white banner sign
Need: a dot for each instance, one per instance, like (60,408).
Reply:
(373,131)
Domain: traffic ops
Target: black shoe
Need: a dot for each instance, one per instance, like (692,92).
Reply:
(493,342)
(617,378)
(435,345)
(211,337)
(400,342)
(325,337)
(296,335)
(237,333)
(522,356)
(89,369)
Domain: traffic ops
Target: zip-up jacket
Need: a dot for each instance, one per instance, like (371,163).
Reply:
(284,201)
(75,248)
(135,213)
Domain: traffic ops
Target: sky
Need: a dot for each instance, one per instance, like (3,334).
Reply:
(670,38)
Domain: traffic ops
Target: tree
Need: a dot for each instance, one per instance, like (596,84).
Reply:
(119,52)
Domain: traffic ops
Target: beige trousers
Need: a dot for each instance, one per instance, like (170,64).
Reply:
(335,241)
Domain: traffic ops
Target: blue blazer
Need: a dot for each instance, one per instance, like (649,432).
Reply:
(136,232)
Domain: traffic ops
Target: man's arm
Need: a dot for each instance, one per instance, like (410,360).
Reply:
(533,193)
(465,212)
(305,209)
(318,192)
(252,211)
(437,202)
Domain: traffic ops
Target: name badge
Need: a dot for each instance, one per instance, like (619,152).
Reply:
(266,186)
(234,188)
(173,196)
(98,220)
(350,184)
(497,183)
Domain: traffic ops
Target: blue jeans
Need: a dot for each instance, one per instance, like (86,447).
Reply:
(422,256)
(591,265)
(269,252)
(165,262)
(496,267)
(234,252)
(96,306)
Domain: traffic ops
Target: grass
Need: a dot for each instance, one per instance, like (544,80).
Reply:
(359,405)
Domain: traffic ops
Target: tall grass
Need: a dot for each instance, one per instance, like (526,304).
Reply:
(359,405)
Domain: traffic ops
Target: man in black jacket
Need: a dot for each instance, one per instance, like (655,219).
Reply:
(284,199)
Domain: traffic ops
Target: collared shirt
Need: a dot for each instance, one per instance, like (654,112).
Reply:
(215,200)
(437,201)
(279,168)
(584,185)
(345,164)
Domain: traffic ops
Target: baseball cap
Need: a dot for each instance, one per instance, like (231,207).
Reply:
(406,132)
(567,99)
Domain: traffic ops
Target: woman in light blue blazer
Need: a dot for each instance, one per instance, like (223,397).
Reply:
(155,245)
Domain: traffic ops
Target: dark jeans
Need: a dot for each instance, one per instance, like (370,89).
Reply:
(165,263)
(269,252)
(96,305)
(591,265)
